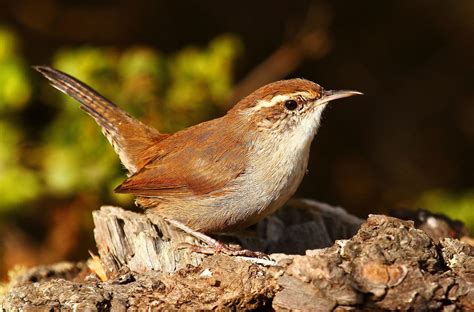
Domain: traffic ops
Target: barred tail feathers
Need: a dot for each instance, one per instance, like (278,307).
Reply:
(129,137)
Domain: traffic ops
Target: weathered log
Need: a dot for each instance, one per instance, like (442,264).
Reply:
(138,242)
(388,264)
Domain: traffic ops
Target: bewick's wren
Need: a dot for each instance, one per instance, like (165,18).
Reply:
(220,175)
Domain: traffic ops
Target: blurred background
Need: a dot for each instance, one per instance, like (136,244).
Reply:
(407,144)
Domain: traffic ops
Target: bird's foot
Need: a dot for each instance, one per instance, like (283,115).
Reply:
(227,249)
(214,246)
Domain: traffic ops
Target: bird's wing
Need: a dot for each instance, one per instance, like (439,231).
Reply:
(199,160)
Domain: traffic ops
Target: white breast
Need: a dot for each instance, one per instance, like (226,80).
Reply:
(276,170)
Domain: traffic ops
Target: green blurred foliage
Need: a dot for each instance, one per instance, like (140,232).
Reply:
(15,91)
(457,206)
(22,183)
(199,78)
(167,91)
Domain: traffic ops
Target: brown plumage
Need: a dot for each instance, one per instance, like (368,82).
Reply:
(220,175)
(213,156)
(281,87)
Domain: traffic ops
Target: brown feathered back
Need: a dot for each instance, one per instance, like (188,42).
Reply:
(195,161)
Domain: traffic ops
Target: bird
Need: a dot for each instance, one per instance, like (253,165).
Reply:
(220,175)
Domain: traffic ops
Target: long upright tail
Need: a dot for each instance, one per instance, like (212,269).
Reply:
(129,137)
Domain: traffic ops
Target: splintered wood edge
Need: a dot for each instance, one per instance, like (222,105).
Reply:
(128,240)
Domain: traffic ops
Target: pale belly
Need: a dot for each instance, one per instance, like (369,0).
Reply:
(258,193)
(272,189)
(267,184)
(252,197)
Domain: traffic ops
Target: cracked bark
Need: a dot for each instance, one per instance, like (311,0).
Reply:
(387,264)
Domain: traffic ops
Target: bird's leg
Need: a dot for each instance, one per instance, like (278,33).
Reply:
(214,246)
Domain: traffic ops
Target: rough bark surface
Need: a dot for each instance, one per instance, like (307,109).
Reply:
(146,242)
(387,264)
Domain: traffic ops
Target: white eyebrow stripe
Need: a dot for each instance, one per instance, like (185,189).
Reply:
(277,99)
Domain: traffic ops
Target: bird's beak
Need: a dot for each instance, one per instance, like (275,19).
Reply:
(330,95)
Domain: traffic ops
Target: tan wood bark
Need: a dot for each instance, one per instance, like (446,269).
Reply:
(387,264)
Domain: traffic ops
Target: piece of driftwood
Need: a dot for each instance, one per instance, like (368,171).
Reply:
(387,264)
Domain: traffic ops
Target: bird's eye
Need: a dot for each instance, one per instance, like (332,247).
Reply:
(291,105)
